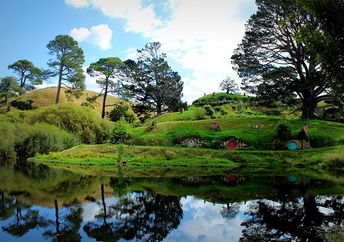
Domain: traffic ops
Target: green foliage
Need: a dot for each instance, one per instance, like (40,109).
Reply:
(41,138)
(9,136)
(29,75)
(124,111)
(9,88)
(267,62)
(22,105)
(67,64)
(79,121)
(217,99)
(107,70)
(152,81)
(121,131)
(209,110)
(22,140)
(283,131)
(199,113)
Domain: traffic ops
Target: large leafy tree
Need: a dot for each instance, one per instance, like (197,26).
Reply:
(229,85)
(108,72)
(329,43)
(151,80)
(9,88)
(28,74)
(275,62)
(66,64)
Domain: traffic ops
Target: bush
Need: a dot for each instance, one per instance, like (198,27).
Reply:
(121,131)
(80,121)
(22,105)
(8,139)
(223,112)
(283,131)
(43,138)
(120,111)
(199,113)
(209,110)
(23,140)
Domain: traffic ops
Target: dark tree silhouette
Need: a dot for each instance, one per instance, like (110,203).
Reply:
(138,216)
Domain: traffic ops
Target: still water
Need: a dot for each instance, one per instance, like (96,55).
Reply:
(38,203)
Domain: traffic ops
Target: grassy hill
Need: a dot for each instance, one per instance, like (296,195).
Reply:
(46,96)
(247,128)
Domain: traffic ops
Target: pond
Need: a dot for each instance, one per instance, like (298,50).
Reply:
(38,203)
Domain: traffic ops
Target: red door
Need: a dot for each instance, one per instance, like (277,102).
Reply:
(232,145)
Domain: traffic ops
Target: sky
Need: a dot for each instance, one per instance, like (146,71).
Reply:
(198,36)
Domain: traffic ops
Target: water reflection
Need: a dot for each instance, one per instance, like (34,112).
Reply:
(50,204)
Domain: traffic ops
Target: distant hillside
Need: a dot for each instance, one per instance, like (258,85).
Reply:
(46,96)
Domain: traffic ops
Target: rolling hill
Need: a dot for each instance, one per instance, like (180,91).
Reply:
(46,96)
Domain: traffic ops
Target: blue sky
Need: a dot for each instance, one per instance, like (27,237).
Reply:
(198,36)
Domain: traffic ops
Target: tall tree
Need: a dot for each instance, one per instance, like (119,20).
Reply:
(329,40)
(229,85)
(151,80)
(274,59)
(29,75)
(9,88)
(108,71)
(66,64)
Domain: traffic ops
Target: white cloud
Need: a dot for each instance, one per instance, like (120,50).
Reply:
(199,35)
(77,3)
(137,19)
(205,223)
(100,35)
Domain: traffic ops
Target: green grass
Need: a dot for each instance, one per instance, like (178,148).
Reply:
(219,96)
(240,127)
(99,155)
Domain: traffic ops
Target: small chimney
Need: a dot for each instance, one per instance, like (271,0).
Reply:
(305,129)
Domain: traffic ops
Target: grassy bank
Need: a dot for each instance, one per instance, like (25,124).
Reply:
(257,132)
(98,155)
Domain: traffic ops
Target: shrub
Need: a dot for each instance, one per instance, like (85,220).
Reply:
(199,113)
(209,110)
(283,131)
(223,112)
(43,138)
(8,139)
(80,121)
(23,140)
(22,105)
(120,111)
(121,131)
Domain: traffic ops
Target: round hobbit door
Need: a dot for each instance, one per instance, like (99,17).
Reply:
(191,143)
(232,145)
(292,145)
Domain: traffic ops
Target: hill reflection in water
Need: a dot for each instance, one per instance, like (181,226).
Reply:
(40,203)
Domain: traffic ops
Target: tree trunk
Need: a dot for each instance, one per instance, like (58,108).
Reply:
(104,99)
(59,86)
(57,218)
(158,107)
(103,201)
(308,107)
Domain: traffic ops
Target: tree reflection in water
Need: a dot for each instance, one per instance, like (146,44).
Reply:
(297,219)
(140,216)
(24,218)
(67,226)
